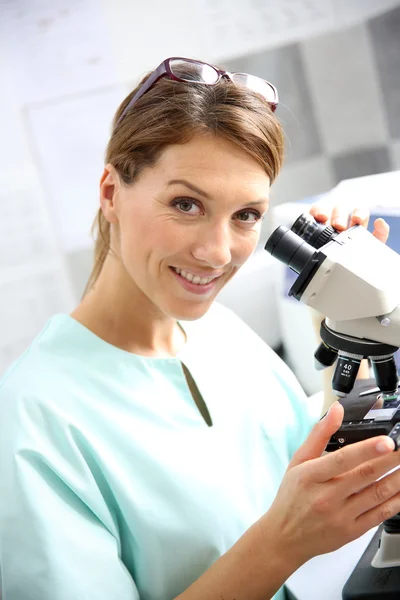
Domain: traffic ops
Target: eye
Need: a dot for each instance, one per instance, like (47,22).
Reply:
(187,205)
(249,216)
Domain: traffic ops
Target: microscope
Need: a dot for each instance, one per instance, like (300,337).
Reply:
(354,279)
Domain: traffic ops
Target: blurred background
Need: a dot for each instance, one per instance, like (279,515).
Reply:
(66,65)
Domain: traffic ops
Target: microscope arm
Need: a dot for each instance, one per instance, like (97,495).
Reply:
(355,281)
(356,284)
(384,329)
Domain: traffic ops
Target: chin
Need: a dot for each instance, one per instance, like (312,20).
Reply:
(190,311)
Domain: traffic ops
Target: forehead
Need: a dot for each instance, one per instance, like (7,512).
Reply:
(211,159)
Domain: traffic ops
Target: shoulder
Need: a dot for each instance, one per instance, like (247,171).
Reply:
(220,321)
(251,368)
(37,380)
(26,371)
(42,404)
(224,336)
(222,327)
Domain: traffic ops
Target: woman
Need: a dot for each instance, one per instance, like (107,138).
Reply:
(144,438)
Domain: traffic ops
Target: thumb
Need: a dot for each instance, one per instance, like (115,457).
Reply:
(320,435)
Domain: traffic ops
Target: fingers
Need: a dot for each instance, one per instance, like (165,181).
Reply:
(340,220)
(377,493)
(340,216)
(381,230)
(359,216)
(337,216)
(366,473)
(376,515)
(357,456)
(320,212)
(320,435)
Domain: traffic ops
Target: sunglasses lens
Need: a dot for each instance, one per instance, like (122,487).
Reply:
(193,71)
(257,85)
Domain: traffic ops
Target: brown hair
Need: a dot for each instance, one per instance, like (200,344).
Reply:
(171,113)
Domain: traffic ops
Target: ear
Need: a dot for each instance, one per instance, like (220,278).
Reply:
(109,187)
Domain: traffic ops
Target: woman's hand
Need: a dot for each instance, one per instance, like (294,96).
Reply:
(323,503)
(341,218)
(327,501)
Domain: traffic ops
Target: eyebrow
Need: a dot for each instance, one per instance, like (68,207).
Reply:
(197,190)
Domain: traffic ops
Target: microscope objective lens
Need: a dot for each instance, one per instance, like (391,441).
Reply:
(345,373)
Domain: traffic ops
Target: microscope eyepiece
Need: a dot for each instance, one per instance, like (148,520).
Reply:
(314,233)
(295,246)
(285,245)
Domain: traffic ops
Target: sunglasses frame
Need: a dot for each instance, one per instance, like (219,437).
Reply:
(164,70)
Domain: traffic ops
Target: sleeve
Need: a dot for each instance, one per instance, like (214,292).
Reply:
(58,537)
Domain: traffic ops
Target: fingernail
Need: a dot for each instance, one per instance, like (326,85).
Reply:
(340,221)
(385,446)
(320,214)
(329,410)
(380,223)
(359,214)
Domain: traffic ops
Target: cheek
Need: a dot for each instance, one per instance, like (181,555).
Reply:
(245,247)
(147,237)
(134,233)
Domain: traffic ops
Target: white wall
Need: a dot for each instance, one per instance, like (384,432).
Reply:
(143,35)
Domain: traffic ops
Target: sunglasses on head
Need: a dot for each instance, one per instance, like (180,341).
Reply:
(196,71)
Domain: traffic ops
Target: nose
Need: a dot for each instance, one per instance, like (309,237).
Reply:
(214,245)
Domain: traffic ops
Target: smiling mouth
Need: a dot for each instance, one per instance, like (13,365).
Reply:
(196,279)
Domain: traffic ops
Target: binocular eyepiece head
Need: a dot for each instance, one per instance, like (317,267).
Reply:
(299,248)
(295,246)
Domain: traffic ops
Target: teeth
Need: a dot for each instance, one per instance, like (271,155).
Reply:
(193,278)
(187,275)
(204,280)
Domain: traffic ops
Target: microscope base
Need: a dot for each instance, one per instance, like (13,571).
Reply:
(369,583)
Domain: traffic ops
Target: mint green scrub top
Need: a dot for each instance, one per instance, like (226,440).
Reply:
(112,485)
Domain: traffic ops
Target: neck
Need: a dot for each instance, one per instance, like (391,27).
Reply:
(117,311)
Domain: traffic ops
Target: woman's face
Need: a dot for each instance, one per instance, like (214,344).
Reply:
(188,224)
